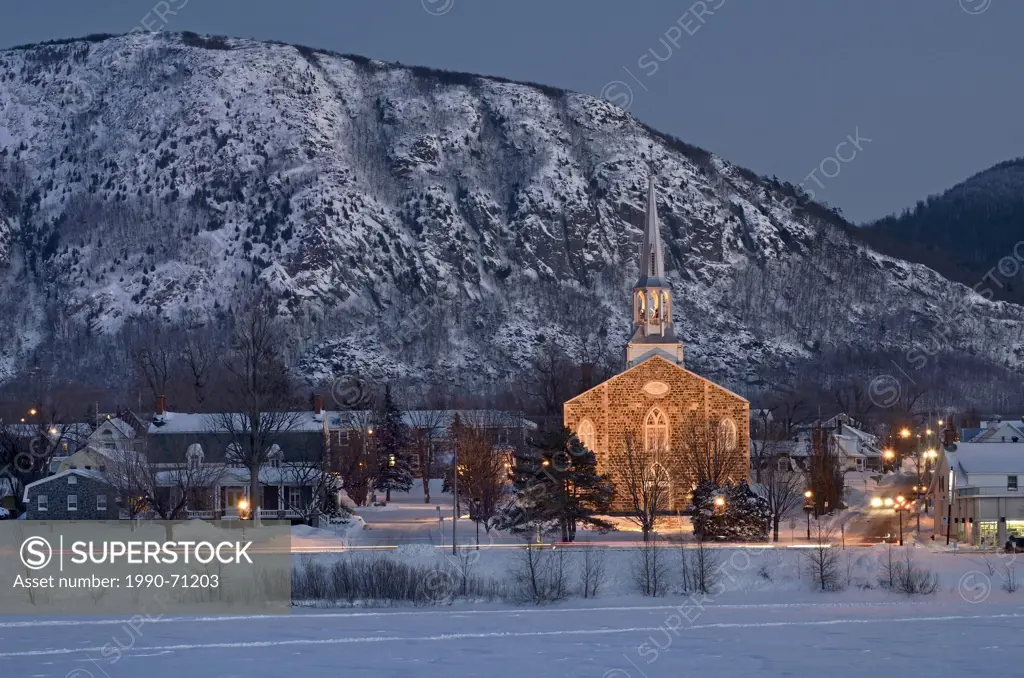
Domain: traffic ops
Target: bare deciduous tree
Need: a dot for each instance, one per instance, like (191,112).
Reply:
(426,429)
(646,489)
(258,395)
(783,489)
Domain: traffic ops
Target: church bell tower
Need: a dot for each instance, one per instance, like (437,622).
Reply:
(653,333)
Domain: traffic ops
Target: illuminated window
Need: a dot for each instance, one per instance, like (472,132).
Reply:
(655,431)
(587,435)
(728,434)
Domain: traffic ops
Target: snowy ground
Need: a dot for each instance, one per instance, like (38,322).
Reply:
(645,638)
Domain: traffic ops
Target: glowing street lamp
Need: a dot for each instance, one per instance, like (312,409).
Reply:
(900,506)
(905,433)
(243,508)
(32,412)
(808,507)
(940,422)
(876,502)
(719,503)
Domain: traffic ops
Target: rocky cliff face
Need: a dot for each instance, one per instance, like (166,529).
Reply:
(414,222)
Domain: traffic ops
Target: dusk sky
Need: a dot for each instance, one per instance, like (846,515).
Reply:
(931,87)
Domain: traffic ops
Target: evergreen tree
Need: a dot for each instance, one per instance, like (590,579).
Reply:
(558,488)
(730,512)
(392,448)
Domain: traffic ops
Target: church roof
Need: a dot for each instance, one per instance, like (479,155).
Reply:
(648,360)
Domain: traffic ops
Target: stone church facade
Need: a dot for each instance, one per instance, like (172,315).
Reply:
(666,415)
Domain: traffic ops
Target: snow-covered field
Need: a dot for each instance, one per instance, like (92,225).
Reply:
(824,636)
(764,616)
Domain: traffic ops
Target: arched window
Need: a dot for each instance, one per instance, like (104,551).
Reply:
(640,305)
(727,434)
(665,310)
(587,435)
(655,306)
(655,431)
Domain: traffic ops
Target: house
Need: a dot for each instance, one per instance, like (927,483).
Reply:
(996,431)
(656,409)
(200,455)
(977,493)
(75,494)
(857,449)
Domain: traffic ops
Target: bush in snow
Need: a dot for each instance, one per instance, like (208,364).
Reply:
(730,512)
(700,566)
(539,575)
(650,569)
(823,560)
(381,580)
(592,572)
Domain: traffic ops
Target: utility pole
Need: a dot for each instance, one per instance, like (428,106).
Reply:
(455,493)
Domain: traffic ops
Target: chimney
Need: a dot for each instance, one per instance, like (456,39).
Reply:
(161,405)
(949,434)
(318,404)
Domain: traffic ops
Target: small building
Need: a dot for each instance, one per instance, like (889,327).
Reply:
(977,492)
(75,494)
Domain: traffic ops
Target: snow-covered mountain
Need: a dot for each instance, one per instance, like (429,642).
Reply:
(420,223)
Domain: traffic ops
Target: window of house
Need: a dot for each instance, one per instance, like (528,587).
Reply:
(88,467)
(295,497)
(1011,483)
(587,435)
(655,431)
(860,464)
(72,479)
(274,456)
(41,503)
(101,502)
(72,502)
(782,464)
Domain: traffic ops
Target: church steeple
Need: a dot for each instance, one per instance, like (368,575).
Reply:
(653,332)
(652,260)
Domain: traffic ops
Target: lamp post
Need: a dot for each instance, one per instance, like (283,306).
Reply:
(455,494)
(900,505)
(808,507)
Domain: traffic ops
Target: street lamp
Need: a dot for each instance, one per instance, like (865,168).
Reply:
(243,508)
(876,502)
(905,433)
(888,455)
(720,503)
(900,506)
(32,412)
(808,507)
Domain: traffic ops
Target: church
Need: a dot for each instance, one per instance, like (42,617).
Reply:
(657,414)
